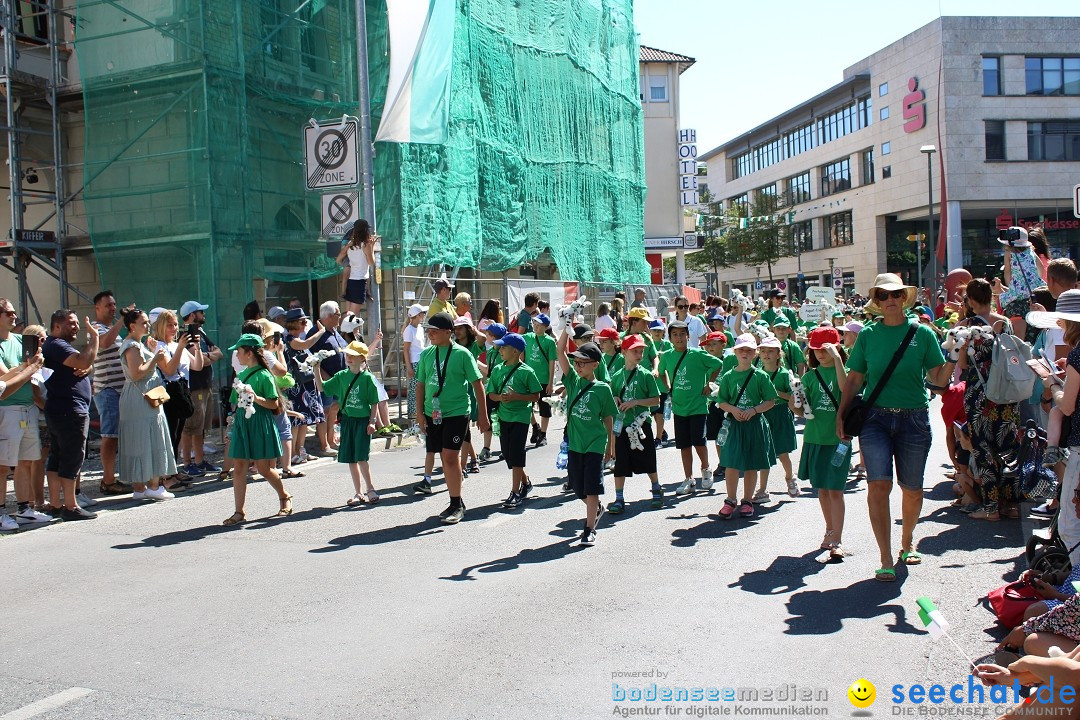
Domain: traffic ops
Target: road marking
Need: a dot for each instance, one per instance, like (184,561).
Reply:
(46,704)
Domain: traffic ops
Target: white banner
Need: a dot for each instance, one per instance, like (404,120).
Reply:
(555,293)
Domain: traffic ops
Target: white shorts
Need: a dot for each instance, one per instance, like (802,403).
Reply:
(19,439)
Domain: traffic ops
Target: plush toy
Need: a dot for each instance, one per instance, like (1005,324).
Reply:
(737,298)
(352,323)
(760,331)
(955,339)
(635,431)
(799,396)
(557,403)
(245,397)
(568,313)
(984,332)
(313,359)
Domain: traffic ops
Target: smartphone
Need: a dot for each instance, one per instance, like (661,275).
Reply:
(30,345)
(193,332)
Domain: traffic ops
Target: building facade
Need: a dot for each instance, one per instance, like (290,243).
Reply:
(995,97)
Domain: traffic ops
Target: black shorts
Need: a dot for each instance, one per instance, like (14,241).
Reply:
(963,457)
(713,423)
(660,408)
(689,431)
(543,407)
(448,435)
(512,439)
(356,291)
(585,471)
(629,462)
(67,444)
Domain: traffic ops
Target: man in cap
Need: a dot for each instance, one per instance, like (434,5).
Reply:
(540,356)
(776,309)
(442,302)
(445,372)
(200,383)
(639,298)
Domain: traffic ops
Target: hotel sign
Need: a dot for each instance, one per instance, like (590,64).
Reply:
(688,178)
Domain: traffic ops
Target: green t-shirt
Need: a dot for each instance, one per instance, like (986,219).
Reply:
(874,350)
(663,346)
(769,315)
(821,429)
(695,367)
(758,390)
(494,358)
(792,355)
(652,348)
(539,352)
(636,384)
(585,418)
(11,354)
(263,385)
(609,365)
(363,396)
(781,381)
(461,370)
(729,363)
(522,381)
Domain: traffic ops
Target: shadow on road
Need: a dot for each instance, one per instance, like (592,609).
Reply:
(713,528)
(784,575)
(823,612)
(528,556)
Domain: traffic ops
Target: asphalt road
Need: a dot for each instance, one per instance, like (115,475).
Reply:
(157,611)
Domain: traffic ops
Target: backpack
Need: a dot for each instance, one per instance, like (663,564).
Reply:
(1011,379)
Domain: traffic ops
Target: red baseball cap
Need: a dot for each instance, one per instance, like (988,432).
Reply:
(716,336)
(608,334)
(632,341)
(822,336)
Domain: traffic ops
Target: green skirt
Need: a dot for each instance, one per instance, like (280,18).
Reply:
(355,443)
(255,437)
(749,445)
(782,425)
(816,466)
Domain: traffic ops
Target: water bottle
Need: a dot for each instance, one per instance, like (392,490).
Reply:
(563,458)
(721,437)
(496,426)
(667,408)
(617,425)
(841,453)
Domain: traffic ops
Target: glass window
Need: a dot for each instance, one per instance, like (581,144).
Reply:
(886,148)
(1054,141)
(741,200)
(802,236)
(868,167)
(1052,75)
(995,139)
(883,113)
(883,89)
(838,229)
(886,172)
(836,177)
(658,89)
(991,68)
(769,190)
(798,189)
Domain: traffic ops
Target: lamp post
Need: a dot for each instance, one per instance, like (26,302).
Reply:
(929,151)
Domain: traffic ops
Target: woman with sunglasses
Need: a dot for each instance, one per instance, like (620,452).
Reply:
(897,428)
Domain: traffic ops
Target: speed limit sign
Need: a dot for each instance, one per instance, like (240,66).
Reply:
(331,158)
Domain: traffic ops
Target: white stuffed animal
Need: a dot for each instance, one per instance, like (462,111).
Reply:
(975,333)
(799,396)
(352,323)
(737,298)
(574,310)
(760,331)
(955,340)
(635,431)
(313,359)
(245,397)
(557,403)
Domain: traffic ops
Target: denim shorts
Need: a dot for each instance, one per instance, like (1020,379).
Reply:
(107,402)
(284,427)
(902,436)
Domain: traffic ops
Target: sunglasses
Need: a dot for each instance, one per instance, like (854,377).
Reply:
(883,295)
(682,307)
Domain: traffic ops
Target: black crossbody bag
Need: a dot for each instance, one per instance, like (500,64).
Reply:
(859,409)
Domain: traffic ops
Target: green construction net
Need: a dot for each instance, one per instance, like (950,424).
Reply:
(545,149)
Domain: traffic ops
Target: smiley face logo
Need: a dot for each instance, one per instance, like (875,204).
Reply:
(862,693)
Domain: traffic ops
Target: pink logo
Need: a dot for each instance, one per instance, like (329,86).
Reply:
(914,107)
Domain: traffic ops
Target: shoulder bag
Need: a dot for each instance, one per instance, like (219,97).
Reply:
(857,412)
(156,396)
(178,402)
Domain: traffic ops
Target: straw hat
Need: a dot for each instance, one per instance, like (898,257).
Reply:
(890,282)
(1068,308)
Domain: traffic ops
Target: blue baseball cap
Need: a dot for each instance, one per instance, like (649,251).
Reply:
(511,340)
(542,318)
(496,329)
(656,325)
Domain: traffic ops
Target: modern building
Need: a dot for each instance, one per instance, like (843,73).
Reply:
(665,221)
(983,110)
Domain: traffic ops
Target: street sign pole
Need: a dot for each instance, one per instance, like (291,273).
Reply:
(367,190)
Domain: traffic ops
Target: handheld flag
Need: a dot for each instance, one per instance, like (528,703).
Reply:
(932,618)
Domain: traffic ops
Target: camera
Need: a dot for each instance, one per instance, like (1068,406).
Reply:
(1009,235)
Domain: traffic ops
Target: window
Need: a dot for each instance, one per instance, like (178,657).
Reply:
(838,229)
(1052,75)
(768,190)
(886,148)
(658,88)
(883,113)
(995,139)
(802,236)
(798,189)
(32,21)
(886,172)
(883,89)
(1054,141)
(991,68)
(741,200)
(868,167)
(836,177)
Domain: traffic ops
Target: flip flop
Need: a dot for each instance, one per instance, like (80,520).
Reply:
(911,557)
(356,500)
(885,575)
(372,497)
(290,474)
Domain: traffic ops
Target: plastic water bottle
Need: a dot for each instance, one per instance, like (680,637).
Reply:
(617,425)
(721,437)
(563,457)
(667,408)
(841,453)
(496,425)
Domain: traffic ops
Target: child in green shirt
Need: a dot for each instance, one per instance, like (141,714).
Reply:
(512,388)
(540,356)
(635,392)
(781,420)
(660,345)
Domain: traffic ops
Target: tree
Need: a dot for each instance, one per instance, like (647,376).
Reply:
(715,253)
(759,233)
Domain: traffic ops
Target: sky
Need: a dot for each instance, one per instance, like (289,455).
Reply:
(757,59)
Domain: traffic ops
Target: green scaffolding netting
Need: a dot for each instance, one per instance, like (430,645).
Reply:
(194,180)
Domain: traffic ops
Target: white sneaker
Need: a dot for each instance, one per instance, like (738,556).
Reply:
(686,488)
(793,487)
(84,500)
(136,495)
(30,515)
(160,494)
(706,479)
(8,524)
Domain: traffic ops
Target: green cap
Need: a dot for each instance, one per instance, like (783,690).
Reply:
(781,321)
(248,340)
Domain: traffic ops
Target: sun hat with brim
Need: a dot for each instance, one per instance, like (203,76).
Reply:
(248,340)
(417,309)
(275,312)
(769,342)
(192,306)
(889,282)
(511,340)
(1068,308)
(542,319)
(269,327)
(462,320)
(154,314)
(588,351)
(294,314)
(356,349)
(820,337)
(746,340)
(638,313)
(583,331)
(632,342)
(1023,242)
(678,325)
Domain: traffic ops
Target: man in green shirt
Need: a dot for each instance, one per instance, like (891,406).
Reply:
(540,356)
(443,376)
(686,373)
(512,386)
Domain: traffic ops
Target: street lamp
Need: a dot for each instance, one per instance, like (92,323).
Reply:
(929,151)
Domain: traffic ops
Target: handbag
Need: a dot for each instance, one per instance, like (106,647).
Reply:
(156,396)
(859,409)
(1010,602)
(179,403)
